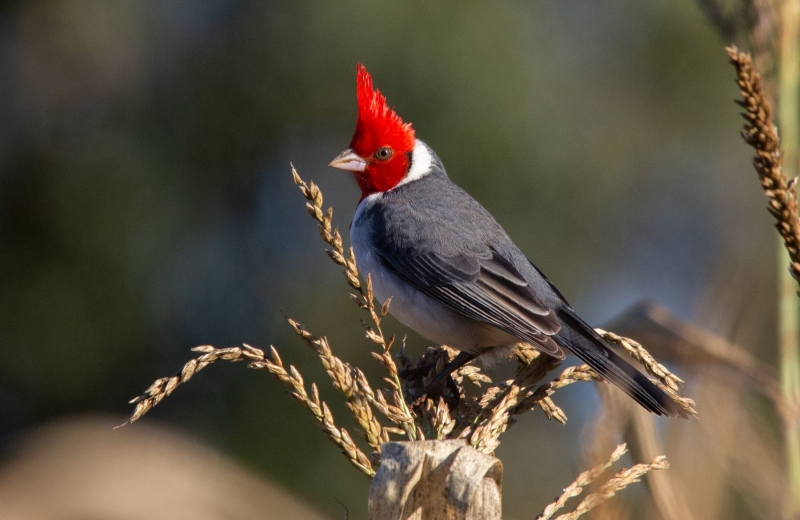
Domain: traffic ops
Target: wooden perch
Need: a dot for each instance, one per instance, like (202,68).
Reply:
(446,480)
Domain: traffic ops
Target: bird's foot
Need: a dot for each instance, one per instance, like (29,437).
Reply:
(438,388)
(443,385)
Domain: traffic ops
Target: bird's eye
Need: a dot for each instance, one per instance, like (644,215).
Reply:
(383,154)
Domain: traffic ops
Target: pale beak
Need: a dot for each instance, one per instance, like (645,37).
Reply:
(349,161)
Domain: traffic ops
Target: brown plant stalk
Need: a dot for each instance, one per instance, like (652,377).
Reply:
(481,419)
(495,417)
(364,299)
(345,379)
(760,133)
(291,378)
(617,483)
(665,380)
(541,396)
(583,480)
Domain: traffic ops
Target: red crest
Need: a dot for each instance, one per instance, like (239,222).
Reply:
(377,125)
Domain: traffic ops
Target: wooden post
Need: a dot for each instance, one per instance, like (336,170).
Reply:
(445,480)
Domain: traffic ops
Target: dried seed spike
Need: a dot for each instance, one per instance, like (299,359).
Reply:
(576,488)
(292,380)
(385,308)
(348,383)
(638,352)
(617,483)
(296,176)
(761,133)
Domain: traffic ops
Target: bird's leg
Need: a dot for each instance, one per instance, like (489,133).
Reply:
(416,373)
(444,379)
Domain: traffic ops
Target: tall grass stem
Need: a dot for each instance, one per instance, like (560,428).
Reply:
(789,317)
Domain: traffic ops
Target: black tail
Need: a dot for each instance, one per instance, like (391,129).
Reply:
(581,339)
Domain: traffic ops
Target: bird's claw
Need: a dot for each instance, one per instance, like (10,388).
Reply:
(437,388)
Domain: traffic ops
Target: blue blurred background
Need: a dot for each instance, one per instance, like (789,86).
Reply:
(147,205)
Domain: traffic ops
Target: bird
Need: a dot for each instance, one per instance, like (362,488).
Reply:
(452,272)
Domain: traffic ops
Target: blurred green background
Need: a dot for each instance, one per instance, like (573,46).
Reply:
(147,205)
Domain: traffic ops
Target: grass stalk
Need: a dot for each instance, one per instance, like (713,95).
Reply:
(775,169)
(789,319)
(479,418)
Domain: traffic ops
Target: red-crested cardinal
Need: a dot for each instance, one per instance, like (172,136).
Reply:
(452,272)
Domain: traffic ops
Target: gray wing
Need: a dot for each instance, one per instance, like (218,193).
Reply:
(485,287)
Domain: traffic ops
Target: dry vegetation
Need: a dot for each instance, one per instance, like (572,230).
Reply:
(760,133)
(745,392)
(618,482)
(771,29)
(381,413)
(730,464)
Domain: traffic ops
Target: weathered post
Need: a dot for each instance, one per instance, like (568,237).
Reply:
(445,480)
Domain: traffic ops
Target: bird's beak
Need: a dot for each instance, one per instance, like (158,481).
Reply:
(349,161)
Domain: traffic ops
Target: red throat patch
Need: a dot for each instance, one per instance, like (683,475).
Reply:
(378,127)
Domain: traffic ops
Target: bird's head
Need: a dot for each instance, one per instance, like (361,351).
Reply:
(380,152)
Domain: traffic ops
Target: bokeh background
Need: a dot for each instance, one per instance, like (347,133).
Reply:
(147,205)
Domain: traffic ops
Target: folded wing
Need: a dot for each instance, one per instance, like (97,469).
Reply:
(485,287)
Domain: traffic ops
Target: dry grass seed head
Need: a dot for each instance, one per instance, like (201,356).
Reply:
(760,133)
(482,419)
